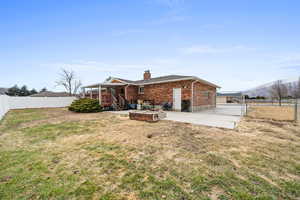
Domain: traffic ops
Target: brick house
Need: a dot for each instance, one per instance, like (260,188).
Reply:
(173,89)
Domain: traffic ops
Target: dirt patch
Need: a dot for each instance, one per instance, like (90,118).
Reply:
(285,113)
(55,116)
(216,193)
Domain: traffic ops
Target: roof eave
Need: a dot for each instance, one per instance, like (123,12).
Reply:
(183,79)
(103,84)
(151,83)
(206,82)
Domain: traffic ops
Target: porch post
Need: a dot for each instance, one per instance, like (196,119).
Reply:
(126,92)
(91,93)
(100,97)
(83,91)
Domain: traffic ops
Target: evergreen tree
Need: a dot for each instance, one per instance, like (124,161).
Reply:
(43,90)
(24,91)
(33,91)
(13,91)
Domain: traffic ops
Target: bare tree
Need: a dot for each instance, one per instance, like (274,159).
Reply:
(294,89)
(69,81)
(279,91)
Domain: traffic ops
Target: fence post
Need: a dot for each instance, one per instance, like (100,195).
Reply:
(296,110)
(242,105)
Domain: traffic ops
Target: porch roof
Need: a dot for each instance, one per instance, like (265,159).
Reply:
(97,85)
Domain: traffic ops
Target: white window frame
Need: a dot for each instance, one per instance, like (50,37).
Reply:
(141,92)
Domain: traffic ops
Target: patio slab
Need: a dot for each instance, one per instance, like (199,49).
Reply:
(222,116)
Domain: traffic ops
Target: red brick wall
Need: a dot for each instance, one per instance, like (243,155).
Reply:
(132,93)
(203,94)
(163,92)
(143,116)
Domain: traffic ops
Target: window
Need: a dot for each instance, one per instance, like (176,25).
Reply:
(141,90)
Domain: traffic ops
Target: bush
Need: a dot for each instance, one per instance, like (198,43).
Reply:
(185,105)
(85,106)
(167,106)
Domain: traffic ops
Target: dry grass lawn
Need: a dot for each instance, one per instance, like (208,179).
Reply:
(284,113)
(56,154)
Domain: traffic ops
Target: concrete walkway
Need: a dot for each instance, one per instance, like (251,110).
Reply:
(223,116)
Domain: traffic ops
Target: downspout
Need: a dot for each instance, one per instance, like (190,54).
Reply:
(192,102)
(216,98)
(100,94)
(126,91)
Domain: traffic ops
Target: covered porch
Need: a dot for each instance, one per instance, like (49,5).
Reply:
(110,95)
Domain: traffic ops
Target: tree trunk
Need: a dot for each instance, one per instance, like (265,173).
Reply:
(280,101)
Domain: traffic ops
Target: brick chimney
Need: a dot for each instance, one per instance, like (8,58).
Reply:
(147,75)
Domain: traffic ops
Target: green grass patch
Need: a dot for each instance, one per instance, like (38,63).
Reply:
(53,131)
(25,175)
(292,188)
(16,117)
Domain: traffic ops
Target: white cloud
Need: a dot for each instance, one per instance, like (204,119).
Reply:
(165,61)
(90,71)
(169,19)
(174,13)
(287,62)
(169,3)
(207,49)
(127,32)
(87,65)
(289,59)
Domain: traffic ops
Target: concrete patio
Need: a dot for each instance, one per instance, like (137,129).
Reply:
(224,116)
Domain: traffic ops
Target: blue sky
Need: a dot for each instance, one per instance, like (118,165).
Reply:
(237,44)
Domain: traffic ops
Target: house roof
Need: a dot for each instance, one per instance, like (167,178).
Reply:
(156,80)
(51,94)
(124,80)
(163,79)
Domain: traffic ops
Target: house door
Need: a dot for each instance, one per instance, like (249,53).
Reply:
(177,99)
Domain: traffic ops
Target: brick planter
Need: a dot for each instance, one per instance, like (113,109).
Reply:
(149,116)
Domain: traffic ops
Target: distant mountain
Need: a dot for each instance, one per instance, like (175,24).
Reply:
(264,90)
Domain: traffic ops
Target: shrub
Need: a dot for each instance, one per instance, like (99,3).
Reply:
(85,106)
(185,105)
(167,106)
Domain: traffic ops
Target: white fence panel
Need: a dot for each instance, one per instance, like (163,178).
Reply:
(4,105)
(7,103)
(39,102)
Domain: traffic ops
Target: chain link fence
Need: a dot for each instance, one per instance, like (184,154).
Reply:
(286,110)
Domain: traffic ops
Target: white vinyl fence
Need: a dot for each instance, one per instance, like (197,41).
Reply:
(4,105)
(39,102)
(7,103)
